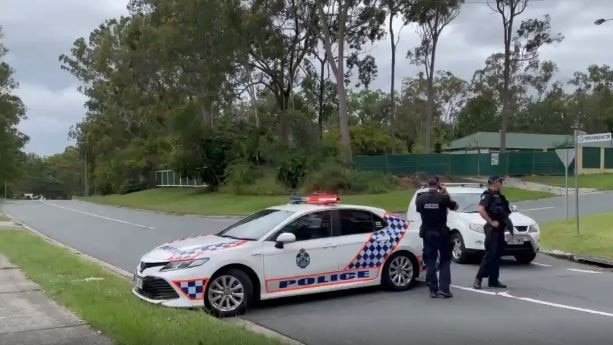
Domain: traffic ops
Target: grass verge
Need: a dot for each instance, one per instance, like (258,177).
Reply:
(517,195)
(3,218)
(223,204)
(596,238)
(600,182)
(213,204)
(108,305)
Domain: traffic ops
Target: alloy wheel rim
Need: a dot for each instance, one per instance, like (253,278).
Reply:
(226,293)
(401,271)
(457,248)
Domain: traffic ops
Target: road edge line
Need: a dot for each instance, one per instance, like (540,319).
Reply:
(125,274)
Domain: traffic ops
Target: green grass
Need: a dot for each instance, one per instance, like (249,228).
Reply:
(601,181)
(595,239)
(213,204)
(109,305)
(517,195)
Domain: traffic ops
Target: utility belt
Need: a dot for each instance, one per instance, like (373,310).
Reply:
(442,229)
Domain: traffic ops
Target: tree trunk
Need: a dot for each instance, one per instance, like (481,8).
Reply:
(322,90)
(430,101)
(392,118)
(339,72)
(283,121)
(506,93)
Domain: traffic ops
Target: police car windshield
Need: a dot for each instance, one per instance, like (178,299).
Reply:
(256,225)
(467,202)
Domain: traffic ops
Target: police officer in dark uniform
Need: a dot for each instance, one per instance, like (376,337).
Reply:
(494,208)
(433,206)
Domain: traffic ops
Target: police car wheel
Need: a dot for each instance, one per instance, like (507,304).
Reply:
(229,293)
(458,250)
(399,272)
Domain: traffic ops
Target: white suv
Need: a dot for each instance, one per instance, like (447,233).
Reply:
(466,225)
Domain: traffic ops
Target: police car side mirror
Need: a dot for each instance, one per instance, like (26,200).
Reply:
(284,238)
(514,208)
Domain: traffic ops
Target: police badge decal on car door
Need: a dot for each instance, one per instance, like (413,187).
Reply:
(303,259)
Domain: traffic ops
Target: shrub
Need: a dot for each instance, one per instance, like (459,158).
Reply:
(330,177)
(371,182)
(244,179)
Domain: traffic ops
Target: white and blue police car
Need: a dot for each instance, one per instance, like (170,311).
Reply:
(312,245)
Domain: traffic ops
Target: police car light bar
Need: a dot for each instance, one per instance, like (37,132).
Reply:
(318,199)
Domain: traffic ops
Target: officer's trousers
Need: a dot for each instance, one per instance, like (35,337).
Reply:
(494,245)
(437,246)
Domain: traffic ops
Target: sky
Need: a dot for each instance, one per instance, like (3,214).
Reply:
(36,32)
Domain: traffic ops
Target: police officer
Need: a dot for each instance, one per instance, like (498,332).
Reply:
(494,208)
(433,206)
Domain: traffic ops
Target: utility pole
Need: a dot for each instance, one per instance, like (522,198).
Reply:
(86,191)
(5,190)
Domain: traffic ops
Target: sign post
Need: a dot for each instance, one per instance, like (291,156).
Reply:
(582,139)
(566,156)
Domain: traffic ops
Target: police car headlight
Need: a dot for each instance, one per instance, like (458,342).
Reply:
(476,227)
(534,228)
(179,265)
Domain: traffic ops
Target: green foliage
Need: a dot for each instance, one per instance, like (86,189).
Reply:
(331,177)
(371,182)
(12,111)
(245,179)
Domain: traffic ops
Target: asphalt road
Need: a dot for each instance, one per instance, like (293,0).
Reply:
(549,302)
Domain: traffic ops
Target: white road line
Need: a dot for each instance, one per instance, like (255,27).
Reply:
(98,216)
(536,209)
(583,271)
(506,294)
(542,265)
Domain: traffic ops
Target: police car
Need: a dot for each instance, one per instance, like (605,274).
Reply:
(312,245)
(467,236)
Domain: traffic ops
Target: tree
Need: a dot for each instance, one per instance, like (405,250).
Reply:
(12,111)
(432,18)
(395,8)
(531,35)
(353,23)
(281,33)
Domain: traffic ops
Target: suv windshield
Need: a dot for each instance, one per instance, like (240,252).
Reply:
(467,202)
(256,225)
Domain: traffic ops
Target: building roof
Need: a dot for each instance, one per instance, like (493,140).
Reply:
(517,141)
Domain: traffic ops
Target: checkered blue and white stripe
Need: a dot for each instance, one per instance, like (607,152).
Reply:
(193,289)
(380,244)
(195,252)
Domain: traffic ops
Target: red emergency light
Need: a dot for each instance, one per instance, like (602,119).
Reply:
(317,199)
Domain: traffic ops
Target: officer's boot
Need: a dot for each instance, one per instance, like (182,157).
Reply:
(477,284)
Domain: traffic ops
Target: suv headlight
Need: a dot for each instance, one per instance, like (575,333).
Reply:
(476,227)
(534,228)
(179,265)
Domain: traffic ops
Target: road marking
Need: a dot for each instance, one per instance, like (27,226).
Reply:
(506,294)
(583,271)
(542,265)
(98,216)
(536,209)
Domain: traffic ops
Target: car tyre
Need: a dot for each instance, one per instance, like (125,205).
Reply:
(525,259)
(228,293)
(400,272)
(459,254)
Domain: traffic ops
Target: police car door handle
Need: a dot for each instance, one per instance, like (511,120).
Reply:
(329,245)
(384,239)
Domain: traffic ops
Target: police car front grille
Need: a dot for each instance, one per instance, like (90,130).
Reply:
(157,289)
(144,265)
(521,228)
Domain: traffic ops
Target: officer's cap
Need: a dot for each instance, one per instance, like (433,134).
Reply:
(433,182)
(495,178)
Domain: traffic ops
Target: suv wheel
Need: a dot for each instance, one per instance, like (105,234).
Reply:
(525,258)
(458,250)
